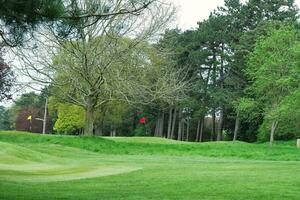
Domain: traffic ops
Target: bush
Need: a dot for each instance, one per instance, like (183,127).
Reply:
(140,130)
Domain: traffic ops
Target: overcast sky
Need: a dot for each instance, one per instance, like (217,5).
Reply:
(192,11)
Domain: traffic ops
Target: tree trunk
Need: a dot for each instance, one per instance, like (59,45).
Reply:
(100,127)
(161,125)
(173,123)
(98,131)
(183,131)
(198,131)
(45,116)
(101,131)
(187,130)
(220,126)
(156,127)
(114,131)
(179,125)
(273,129)
(201,130)
(236,127)
(89,121)
(134,119)
(179,136)
(214,83)
(179,130)
(213,130)
(221,120)
(169,123)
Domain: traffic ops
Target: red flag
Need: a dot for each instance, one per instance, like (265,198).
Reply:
(143,120)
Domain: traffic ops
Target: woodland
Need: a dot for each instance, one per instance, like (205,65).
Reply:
(235,77)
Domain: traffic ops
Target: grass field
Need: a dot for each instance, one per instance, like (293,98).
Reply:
(64,167)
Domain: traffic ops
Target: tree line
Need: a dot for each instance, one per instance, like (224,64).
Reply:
(234,77)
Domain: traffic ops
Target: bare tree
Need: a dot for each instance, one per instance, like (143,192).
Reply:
(90,62)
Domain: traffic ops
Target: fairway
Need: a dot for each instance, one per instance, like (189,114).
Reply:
(149,100)
(54,167)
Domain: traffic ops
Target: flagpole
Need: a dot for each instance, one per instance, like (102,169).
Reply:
(45,117)
(30,122)
(143,121)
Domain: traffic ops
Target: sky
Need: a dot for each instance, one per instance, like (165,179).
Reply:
(192,11)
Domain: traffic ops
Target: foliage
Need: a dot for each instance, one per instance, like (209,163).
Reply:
(140,130)
(17,18)
(6,79)
(273,70)
(248,109)
(288,116)
(5,123)
(232,77)
(23,124)
(29,104)
(91,60)
(20,19)
(26,101)
(70,119)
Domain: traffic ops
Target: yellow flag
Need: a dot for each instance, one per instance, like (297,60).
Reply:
(29,117)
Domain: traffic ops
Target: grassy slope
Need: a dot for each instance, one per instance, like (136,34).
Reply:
(155,146)
(61,167)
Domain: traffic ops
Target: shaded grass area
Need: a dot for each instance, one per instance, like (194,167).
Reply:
(155,146)
(40,167)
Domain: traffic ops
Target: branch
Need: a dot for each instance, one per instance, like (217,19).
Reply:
(6,41)
(135,11)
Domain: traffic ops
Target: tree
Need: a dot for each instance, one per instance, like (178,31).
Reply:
(265,10)
(29,104)
(23,124)
(248,110)
(30,99)
(18,19)
(5,123)
(70,119)
(168,81)
(288,114)
(82,65)
(207,55)
(247,23)
(274,72)
(6,79)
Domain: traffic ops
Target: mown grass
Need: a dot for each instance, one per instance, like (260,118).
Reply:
(65,167)
(156,146)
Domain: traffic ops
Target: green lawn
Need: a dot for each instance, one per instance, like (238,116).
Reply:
(63,167)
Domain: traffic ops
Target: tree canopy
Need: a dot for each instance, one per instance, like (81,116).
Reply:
(111,63)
